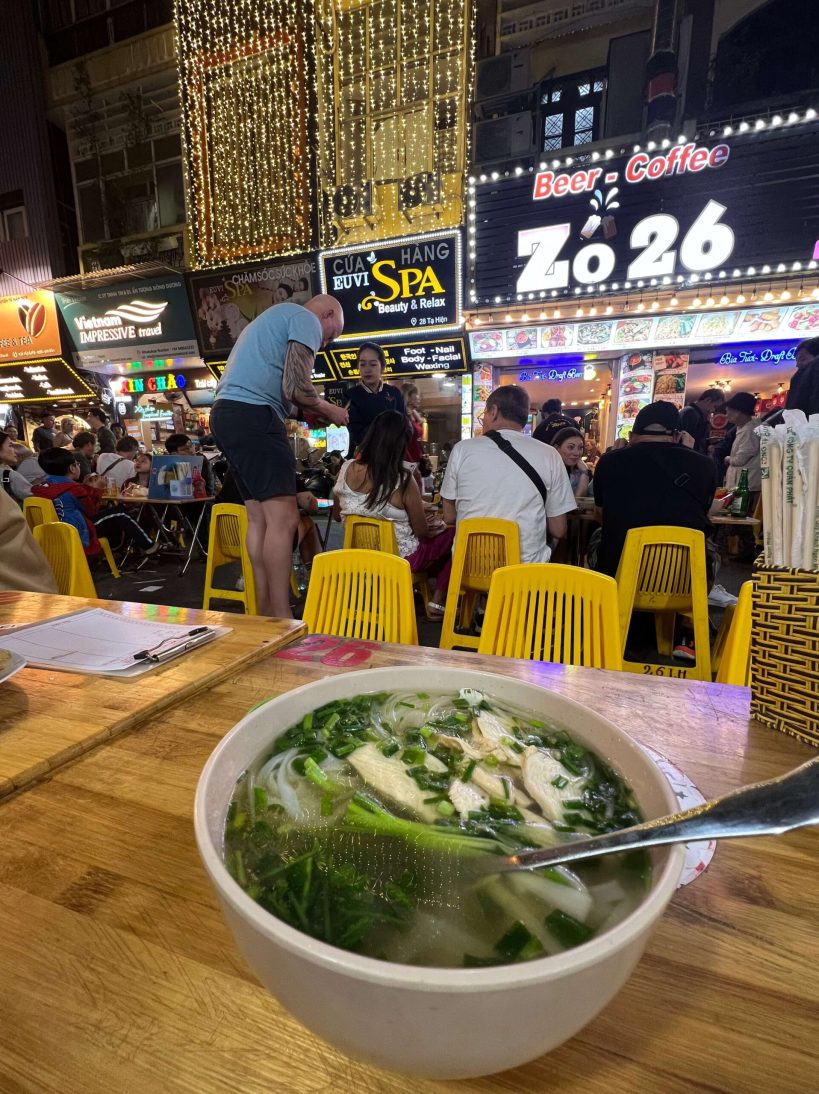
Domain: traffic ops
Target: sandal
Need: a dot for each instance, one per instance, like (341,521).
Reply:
(435,611)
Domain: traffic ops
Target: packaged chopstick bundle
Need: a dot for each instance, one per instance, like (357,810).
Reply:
(766,439)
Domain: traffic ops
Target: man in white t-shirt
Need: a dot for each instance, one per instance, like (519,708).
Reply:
(119,465)
(483,481)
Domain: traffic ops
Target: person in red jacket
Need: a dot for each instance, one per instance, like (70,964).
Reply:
(77,503)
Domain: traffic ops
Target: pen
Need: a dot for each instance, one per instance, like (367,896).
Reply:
(152,655)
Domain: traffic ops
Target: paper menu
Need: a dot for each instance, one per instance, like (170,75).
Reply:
(94,641)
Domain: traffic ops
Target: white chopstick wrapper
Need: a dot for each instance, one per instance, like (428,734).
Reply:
(765,438)
(775,457)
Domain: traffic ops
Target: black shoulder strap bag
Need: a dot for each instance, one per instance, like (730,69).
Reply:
(522,463)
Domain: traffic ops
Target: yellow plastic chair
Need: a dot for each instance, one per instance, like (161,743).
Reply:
(373,534)
(734,656)
(361,594)
(662,570)
(369,534)
(39,511)
(549,612)
(227,542)
(482,546)
(62,547)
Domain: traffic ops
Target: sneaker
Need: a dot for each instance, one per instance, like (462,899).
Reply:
(685,652)
(719,597)
(240,584)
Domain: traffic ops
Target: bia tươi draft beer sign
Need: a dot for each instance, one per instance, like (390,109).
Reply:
(407,358)
(402,286)
(28,326)
(702,208)
(225,301)
(128,322)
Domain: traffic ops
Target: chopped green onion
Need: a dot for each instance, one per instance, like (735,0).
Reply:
(567,930)
(307,722)
(518,944)
(389,748)
(491,761)
(446,809)
(470,767)
(559,782)
(260,797)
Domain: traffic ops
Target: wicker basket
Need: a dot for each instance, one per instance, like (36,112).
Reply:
(785,651)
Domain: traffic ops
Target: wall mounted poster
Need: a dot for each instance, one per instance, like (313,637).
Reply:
(670,377)
(635,391)
(225,301)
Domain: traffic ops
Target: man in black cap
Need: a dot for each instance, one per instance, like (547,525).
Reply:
(656,480)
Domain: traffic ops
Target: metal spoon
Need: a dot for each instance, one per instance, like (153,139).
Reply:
(762,809)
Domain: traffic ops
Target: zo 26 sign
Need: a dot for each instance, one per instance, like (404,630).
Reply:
(692,209)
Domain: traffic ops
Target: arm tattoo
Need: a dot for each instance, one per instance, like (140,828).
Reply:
(296,383)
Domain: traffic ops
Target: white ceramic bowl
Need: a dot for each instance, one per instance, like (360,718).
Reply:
(440,1023)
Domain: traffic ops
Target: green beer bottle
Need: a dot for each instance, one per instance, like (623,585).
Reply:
(742,496)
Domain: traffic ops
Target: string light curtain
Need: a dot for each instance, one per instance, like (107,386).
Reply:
(394,77)
(247,86)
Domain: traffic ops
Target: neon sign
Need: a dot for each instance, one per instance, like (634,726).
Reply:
(139,385)
(767,355)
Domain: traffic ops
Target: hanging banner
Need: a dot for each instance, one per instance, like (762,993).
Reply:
(225,301)
(397,287)
(127,322)
(721,206)
(28,326)
(407,358)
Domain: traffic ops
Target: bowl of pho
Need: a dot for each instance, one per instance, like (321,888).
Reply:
(348,828)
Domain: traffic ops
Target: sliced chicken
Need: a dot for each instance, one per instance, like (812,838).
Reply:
(466,798)
(494,737)
(540,769)
(389,776)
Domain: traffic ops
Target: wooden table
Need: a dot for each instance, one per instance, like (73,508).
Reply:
(738,522)
(117,971)
(48,718)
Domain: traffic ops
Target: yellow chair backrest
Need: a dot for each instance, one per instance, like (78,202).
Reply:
(62,547)
(227,542)
(39,511)
(361,594)
(548,612)
(369,534)
(662,570)
(482,545)
(735,663)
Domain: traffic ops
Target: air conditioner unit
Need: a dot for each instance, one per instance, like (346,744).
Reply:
(502,75)
(423,189)
(503,138)
(353,201)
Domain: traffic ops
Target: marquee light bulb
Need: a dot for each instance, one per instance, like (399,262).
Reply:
(709,303)
(556,313)
(724,299)
(776,119)
(810,114)
(579,312)
(785,295)
(741,298)
(609,309)
(641,306)
(507,318)
(696,302)
(744,127)
(768,295)
(673,301)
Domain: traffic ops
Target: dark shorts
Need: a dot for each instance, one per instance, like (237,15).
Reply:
(254,440)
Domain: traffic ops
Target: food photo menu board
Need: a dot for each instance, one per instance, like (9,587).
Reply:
(650,332)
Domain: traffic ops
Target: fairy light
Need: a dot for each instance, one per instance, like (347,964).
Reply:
(248,170)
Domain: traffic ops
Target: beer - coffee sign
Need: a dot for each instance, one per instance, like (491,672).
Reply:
(127,322)
(403,286)
(28,326)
